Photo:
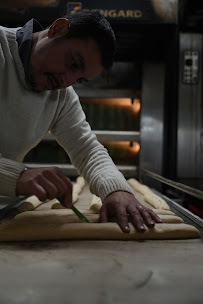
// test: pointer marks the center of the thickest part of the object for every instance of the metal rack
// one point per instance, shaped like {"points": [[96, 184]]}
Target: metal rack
{"points": [[187, 215]]}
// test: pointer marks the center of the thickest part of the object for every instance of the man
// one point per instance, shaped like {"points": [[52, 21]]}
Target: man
{"points": [[37, 69]]}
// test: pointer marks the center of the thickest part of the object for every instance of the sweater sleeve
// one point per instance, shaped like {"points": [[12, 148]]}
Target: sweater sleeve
{"points": [[89, 157], [9, 174]]}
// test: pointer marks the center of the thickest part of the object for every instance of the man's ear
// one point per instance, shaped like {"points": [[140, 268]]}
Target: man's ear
{"points": [[59, 28]]}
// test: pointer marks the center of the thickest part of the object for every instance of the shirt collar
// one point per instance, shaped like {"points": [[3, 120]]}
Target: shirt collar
{"points": [[24, 40]]}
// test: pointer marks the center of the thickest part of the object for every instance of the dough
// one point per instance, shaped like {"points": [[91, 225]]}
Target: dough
{"points": [[96, 203], [68, 216], [77, 188], [55, 216], [64, 224], [137, 186], [47, 206], [162, 211], [156, 201], [150, 197], [30, 203], [15, 231], [80, 180]]}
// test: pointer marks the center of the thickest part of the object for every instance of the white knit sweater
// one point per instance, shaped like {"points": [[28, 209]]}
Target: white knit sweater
{"points": [[26, 117]]}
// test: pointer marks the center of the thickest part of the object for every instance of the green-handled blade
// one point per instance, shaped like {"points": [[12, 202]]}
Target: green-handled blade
{"points": [[80, 215]]}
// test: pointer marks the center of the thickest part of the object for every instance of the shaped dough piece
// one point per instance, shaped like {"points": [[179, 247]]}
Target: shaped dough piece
{"points": [[137, 186], [15, 231], [96, 203], [156, 201], [57, 204], [77, 188], [80, 180], [68, 216], [55, 216], [149, 196], [30, 203], [47, 206], [163, 211]]}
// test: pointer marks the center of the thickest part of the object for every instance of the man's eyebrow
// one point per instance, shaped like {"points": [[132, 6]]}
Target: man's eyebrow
{"points": [[81, 61]]}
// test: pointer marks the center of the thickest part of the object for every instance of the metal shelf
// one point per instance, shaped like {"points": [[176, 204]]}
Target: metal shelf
{"points": [[108, 135], [70, 170], [107, 93]]}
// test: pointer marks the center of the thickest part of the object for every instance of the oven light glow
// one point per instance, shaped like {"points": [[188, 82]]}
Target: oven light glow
{"points": [[133, 106], [135, 148], [131, 148], [136, 106]]}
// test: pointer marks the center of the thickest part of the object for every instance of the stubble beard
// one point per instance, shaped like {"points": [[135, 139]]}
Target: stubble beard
{"points": [[31, 81]]}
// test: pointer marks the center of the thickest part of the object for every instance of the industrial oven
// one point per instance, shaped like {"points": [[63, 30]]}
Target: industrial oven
{"points": [[148, 110]]}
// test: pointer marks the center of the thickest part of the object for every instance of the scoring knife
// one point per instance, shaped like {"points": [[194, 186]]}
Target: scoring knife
{"points": [[80, 215]]}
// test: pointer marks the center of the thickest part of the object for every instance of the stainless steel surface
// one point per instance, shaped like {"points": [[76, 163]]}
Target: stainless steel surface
{"points": [[194, 218], [190, 114], [151, 131], [117, 135], [70, 170], [179, 210], [184, 188], [103, 135]]}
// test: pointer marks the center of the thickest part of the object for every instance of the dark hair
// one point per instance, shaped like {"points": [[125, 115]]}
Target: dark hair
{"points": [[92, 25]]}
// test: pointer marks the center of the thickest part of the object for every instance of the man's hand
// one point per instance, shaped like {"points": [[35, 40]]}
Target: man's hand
{"points": [[122, 204], [46, 183]]}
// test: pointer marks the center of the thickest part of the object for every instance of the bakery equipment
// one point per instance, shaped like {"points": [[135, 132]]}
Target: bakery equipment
{"points": [[158, 65]]}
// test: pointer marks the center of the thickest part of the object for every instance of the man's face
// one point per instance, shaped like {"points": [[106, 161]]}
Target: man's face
{"points": [[59, 62]]}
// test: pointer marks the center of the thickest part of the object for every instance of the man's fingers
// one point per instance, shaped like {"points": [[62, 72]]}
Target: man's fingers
{"points": [[149, 221], [39, 192], [149, 216], [66, 200], [49, 187], [45, 183], [154, 216], [58, 181], [103, 217], [122, 219], [136, 218]]}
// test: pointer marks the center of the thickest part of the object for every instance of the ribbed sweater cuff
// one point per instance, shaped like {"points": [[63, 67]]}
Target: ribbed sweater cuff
{"points": [[111, 185], [9, 174]]}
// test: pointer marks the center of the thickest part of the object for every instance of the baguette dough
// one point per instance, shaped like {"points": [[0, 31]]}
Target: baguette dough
{"points": [[55, 216], [96, 203], [68, 216], [30, 203], [81, 181], [64, 224], [156, 201], [15, 231], [150, 197]]}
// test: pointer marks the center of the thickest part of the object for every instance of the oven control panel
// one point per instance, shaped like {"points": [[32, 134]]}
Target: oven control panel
{"points": [[190, 67]]}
